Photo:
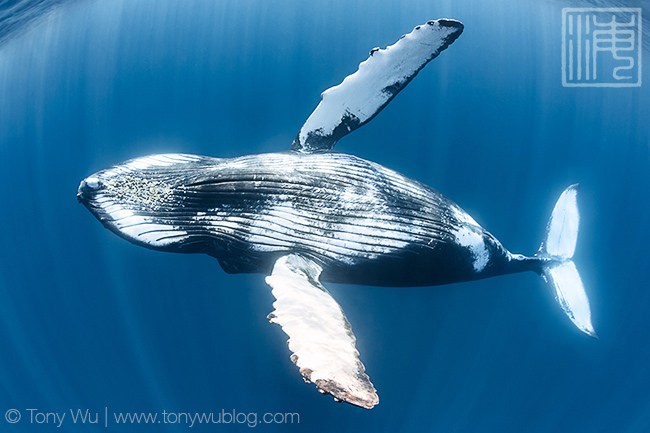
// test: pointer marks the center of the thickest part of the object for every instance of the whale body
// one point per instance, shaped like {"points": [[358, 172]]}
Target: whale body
{"points": [[311, 215], [361, 222]]}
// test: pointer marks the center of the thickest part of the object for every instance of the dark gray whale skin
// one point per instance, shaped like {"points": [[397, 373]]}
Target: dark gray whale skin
{"points": [[362, 222]]}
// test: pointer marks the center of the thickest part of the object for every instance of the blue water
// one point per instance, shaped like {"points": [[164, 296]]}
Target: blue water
{"points": [[89, 321]]}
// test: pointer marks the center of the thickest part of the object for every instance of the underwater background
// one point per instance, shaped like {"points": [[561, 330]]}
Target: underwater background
{"points": [[91, 322]]}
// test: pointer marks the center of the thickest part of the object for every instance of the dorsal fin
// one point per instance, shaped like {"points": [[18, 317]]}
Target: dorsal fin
{"points": [[365, 93]]}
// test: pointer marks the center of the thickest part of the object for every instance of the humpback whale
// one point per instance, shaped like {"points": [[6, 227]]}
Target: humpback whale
{"points": [[309, 215]]}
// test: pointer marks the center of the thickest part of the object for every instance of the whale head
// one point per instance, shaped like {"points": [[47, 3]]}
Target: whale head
{"points": [[141, 200]]}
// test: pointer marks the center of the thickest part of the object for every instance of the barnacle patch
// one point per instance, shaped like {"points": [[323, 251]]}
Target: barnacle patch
{"points": [[139, 191]]}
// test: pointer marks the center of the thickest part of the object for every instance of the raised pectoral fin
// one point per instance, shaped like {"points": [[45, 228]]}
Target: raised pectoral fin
{"points": [[320, 336], [365, 93]]}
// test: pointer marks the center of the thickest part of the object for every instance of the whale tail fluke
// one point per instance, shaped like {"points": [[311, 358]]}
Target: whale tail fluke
{"points": [[558, 268]]}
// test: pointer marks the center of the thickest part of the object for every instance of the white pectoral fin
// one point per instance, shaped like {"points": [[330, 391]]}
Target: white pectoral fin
{"points": [[320, 336], [365, 93]]}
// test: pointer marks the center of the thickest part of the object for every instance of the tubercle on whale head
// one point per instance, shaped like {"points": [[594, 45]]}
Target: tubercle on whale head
{"points": [[87, 189]]}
